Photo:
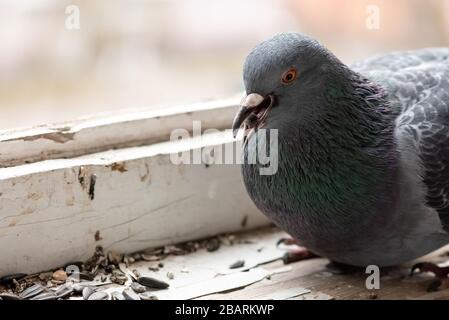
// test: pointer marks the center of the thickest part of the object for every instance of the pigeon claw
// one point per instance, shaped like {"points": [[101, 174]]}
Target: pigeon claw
{"points": [[441, 274], [286, 241], [298, 255]]}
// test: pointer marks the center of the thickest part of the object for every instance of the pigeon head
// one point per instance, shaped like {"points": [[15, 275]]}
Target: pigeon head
{"points": [[281, 75]]}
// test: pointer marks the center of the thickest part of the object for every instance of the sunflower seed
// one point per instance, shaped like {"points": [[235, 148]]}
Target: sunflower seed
{"points": [[99, 295], [9, 278], [87, 276], [237, 264], [117, 296], [137, 256], [170, 275], [148, 296], [60, 275], [128, 260], [148, 257], [45, 296], [153, 283], [130, 295], [137, 287], [136, 273], [126, 271], [109, 268], [45, 276], [87, 292], [64, 291], [32, 291], [9, 296], [213, 245], [115, 257], [118, 277]]}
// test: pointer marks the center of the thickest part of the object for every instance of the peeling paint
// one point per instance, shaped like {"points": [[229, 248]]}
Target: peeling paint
{"points": [[97, 236], [93, 180], [82, 177], [147, 174], [58, 137], [118, 166]]}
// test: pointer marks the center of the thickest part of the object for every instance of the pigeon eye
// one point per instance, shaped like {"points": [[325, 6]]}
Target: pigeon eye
{"points": [[289, 76]]}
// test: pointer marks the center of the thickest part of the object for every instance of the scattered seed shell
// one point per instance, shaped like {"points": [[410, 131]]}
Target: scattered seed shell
{"points": [[45, 276], [59, 275], [117, 296], [138, 288], [48, 295], [99, 295], [213, 245], [237, 264], [148, 257], [136, 273], [32, 291], [87, 292], [152, 283], [115, 257], [64, 291], [148, 296], [9, 296], [9, 278], [130, 295]]}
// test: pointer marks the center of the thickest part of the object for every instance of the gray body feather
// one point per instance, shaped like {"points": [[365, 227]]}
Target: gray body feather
{"points": [[402, 211]]}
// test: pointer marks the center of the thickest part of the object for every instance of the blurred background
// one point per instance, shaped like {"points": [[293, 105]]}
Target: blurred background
{"points": [[156, 53]]}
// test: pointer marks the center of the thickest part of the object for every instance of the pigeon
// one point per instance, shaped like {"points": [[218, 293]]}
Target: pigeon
{"points": [[362, 151]]}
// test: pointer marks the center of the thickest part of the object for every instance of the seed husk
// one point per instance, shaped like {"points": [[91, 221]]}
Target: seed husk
{"points": [[87, 292], [60, 275], [64, 291], [9, 278], [118, 277], [32, 291], [9, 296], [87, 276], [78, 287], [138, 288], [117, 296], [99, 295], [148, 296], [237, 264], [152, 283], [130, 295], [137, 256], [115, 257], [213, 245], [136, 273], [48, 295], [149, 257]]}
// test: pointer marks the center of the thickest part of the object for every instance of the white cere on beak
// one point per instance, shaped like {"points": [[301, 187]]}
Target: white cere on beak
{"points": [[252, 100]]}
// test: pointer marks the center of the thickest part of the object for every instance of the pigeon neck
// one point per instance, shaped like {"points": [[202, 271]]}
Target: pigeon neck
{"points": [[340, 161]]}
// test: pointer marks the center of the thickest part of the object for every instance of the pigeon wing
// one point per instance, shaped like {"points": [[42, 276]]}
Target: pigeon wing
{"points": [[418, 84]]}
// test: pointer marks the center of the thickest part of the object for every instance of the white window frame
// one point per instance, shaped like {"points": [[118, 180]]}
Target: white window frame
{"points": [[109, 181]]}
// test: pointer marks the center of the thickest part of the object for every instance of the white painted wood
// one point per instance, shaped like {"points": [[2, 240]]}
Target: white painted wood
{"points": [[126, 129], [49, 213]]}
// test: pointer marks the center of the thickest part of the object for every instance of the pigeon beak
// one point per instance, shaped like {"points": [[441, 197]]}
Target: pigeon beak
{"points": [[251, 101]]}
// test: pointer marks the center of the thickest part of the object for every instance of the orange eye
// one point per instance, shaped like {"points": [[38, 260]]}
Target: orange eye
{"points": [[289, 76]]}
